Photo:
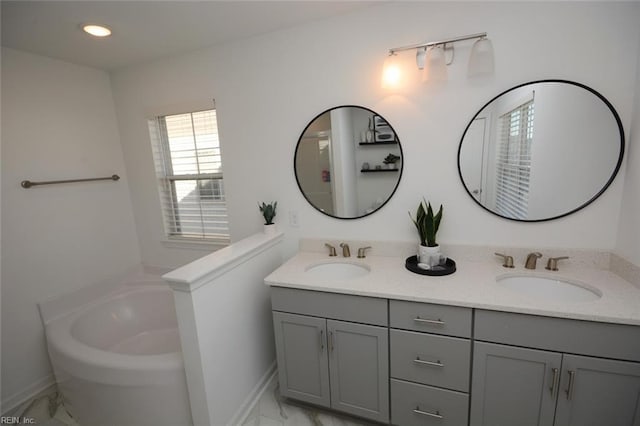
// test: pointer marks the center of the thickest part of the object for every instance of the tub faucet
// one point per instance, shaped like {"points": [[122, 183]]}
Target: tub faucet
{"points": [[346, 252], [531, 260]]}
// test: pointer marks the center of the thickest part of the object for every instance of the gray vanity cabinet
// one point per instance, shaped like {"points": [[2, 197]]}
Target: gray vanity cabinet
{"points": [[326, 359], [595, 392], [359, 369], [513, 386], [430, 364], [302, 357], [548, 385]]}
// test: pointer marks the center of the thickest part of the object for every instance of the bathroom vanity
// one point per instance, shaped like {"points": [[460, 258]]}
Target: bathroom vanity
{"points": [[399, 348]]}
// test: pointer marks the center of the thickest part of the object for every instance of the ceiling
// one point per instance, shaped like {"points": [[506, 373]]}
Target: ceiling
{"points": [[144, 31]]}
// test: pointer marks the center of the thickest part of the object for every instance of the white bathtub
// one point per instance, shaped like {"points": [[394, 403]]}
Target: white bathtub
{"points": [[118, 360]]}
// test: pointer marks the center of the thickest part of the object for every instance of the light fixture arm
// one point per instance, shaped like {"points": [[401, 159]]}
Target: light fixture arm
{"points": [[436, 43]]}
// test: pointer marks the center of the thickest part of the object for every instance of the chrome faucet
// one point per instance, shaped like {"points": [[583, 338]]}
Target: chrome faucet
{"points": [[552, 263], [332, 249], [531, 260], [346, 252]]}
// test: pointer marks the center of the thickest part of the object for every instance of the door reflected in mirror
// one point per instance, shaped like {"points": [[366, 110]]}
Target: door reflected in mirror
{"points": [[541, 150], [348, 162]]}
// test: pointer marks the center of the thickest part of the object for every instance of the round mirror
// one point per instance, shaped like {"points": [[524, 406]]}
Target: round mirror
{"points": [[348, 162], [541, 150]]}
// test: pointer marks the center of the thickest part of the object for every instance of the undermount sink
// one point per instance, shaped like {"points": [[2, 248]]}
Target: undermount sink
{"points": [[338, 270], [549, 288]]}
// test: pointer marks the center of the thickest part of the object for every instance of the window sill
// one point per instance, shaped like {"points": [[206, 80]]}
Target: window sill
{"points": [[183, 243]]}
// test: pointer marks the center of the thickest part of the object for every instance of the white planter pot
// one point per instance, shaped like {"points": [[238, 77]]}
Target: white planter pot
{"points": [[270, 229], [425, 253]]}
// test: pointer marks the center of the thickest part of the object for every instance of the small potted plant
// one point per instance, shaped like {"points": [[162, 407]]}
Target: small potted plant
{"points": [[268, 212], [391, 160], [427, 224]]}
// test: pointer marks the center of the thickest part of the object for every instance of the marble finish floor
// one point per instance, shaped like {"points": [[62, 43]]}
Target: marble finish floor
{"points": [[271, 410], [274, 410]]}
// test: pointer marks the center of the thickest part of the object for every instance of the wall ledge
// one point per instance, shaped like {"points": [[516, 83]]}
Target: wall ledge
{"points": [[202, 271]]}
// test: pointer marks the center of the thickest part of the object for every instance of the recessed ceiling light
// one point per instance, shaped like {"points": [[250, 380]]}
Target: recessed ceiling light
{"points": [[97, 30]]}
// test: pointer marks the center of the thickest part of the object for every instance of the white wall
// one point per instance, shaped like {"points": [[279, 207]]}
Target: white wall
{"points": [[226, 328], [58, 122], [628, 244], [268, 88]]}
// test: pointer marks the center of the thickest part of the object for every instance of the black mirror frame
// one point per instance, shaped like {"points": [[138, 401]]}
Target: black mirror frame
{"points": [[606, 185], [295, 157]]}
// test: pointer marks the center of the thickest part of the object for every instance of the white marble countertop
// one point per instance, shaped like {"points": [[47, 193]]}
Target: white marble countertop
{"points": [[472, 285]]}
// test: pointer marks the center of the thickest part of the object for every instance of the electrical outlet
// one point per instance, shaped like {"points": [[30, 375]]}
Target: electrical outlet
{"points": [[293, 219]]}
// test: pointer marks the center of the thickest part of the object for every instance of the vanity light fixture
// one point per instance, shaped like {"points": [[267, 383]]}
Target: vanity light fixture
{"points": [[433, 57], [96, 30]]}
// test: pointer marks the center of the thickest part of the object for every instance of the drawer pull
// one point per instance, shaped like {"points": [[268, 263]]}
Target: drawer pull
{"points": [[429, 321], [426, 413], [430, 363]]}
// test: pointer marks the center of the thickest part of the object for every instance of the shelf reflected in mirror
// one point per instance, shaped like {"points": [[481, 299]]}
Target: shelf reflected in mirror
{"points": [[348, 162]]}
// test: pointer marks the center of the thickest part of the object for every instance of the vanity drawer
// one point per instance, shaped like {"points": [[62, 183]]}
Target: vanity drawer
{"points": [[430, 359], [607, 340], [439, 319], [366, 310], [420, 405]]}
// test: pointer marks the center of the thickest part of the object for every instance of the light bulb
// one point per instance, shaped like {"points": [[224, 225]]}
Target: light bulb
{"points": [[436, 67], [97, 30], [391, 72], [481, 59]]}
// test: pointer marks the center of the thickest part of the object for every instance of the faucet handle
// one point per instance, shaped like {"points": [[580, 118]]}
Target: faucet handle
{"points": [[552, 263], [332, 249], [361, 252], [508, 260]]}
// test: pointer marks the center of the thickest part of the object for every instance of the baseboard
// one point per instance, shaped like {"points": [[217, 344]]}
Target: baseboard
{"points": [[42, 386], [254, 396]]}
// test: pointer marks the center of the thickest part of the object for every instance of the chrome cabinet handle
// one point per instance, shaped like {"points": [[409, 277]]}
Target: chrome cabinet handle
{"points": [[331, 341], [569, 391], [554, 380], [427, 413], [430, 363], [429, 321], [321, 340]]}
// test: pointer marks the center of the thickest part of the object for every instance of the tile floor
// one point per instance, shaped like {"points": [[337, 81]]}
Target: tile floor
{"points": [[274, 410], [271, 410], [46, 410]]}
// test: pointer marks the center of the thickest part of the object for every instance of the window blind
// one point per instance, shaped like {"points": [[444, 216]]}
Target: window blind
{"points": [[513, 162], [189, 169]]}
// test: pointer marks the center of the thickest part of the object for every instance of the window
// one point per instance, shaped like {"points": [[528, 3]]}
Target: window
{"points": [[513, 162], [189, 169]]}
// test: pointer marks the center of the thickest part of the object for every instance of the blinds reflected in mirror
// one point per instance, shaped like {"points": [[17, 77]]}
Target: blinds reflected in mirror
{"points": [[513, 162]]}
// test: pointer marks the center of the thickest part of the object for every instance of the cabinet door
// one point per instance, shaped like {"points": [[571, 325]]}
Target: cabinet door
{"points": [[301, 350], [596, 392], [359, 366], [513, 386]]}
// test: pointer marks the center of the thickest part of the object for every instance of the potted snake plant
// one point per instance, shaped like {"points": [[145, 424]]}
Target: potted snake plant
{"points": [[268, 212], [427, 224]]}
